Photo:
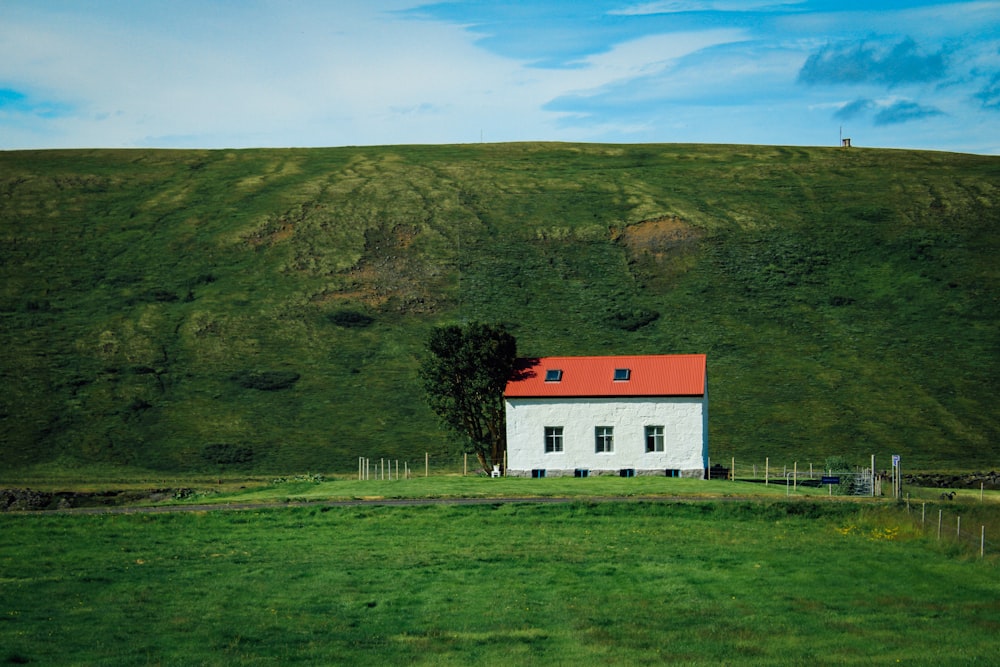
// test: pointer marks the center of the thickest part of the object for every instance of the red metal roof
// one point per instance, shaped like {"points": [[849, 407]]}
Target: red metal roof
{"points": [[649, 375]]}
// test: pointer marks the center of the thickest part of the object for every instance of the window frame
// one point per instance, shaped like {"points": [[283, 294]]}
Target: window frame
{"points": [[655, 438], [553, 440], [604, 439]]}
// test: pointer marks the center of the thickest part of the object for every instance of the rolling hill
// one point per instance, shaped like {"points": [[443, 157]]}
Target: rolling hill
{"points": [[265, 310]]}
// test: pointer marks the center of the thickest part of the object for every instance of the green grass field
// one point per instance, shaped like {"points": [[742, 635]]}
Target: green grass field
{"points": [[699, 583], [264, 311], [212, 320]]}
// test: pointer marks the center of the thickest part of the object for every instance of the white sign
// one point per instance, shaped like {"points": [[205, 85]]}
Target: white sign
{"points": [[895, 460]]}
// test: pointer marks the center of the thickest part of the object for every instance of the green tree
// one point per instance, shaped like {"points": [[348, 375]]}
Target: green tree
{"points": [[838, 465], [464, 376]]}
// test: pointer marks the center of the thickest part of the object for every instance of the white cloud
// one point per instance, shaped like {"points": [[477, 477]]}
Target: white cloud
{"points": [[269, 72], [680, 6], [334, 78]]}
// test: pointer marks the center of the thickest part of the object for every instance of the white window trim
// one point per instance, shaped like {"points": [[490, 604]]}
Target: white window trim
{"points": [[606, 439], [662, 438], [560, 435]]}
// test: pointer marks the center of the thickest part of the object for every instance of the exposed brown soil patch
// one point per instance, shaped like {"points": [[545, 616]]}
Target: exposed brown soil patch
{"points": [[660, 249], [658, 238], [390, 275]]}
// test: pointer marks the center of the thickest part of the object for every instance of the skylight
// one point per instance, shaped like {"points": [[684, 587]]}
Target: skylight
{"points": [[622, 374], [553, 375]]}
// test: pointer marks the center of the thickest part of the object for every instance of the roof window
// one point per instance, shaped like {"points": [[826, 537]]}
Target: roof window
{"points": [[622, 374], [553, 375]]}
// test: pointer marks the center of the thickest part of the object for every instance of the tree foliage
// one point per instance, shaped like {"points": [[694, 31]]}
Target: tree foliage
{"points": [[839, 465], [464, 376]]}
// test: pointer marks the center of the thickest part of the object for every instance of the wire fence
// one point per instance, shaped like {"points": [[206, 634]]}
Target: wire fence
{"points": [[948, 525], [944, 524], [388, 468], [859, 481]]}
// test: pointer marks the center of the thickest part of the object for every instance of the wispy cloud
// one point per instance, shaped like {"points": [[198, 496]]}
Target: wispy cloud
{"points": [[684, 6], [989, 95], [905, 111], [865, 61], [14, 102], [855, 109], [10, 97], [175, 73], [890, 111]]}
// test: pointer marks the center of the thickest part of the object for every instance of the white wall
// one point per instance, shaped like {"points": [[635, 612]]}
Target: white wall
{"points": [[685, 439]]}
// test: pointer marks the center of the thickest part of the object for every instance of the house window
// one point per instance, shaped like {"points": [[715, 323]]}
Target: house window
{"points": [[622, 374], [654, 438], [553, 439], [604, 439], [553, 375]]}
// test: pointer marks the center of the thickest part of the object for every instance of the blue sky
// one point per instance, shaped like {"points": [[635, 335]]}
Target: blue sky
{"points": [[246, 73]]}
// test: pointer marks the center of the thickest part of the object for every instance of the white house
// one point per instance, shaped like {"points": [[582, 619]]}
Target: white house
{"points": [[621, 415]]}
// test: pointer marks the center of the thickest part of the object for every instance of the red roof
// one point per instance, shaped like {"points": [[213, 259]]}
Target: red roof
{"points": [[648, 375]]}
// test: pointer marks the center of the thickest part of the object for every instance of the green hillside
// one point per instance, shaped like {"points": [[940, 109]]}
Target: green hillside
{"points": [[265, 310]]}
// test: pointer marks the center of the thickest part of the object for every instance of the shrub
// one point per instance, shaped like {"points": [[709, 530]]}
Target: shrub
{"points": [[311, 478], [633, 320], [223, 453], [266, 380], [351, 319], [838, 465]]}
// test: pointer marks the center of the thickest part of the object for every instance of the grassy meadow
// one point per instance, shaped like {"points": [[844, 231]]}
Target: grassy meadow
{"points": [[696, 583], [263, 312]]}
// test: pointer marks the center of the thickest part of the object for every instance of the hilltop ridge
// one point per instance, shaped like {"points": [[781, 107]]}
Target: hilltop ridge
{"points": [[265, 310]]}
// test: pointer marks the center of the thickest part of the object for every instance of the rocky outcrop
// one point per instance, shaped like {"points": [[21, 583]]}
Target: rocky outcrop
{"points": [[988, 480], [14, 500]]}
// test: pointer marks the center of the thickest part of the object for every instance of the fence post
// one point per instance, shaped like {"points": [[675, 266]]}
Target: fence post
{"points": [[732, 471], [873, 475], [958, 528], [939, 524], [982, 541], [427, 464], [767, 465]]}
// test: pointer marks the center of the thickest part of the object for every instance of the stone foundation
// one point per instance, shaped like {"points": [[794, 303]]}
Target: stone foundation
{"points": [[697, 473]]}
